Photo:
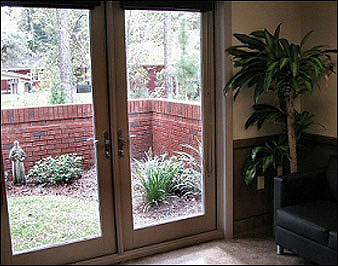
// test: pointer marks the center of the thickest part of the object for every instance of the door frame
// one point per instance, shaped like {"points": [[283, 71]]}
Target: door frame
{"points": [[106, 243], [224, 121]]}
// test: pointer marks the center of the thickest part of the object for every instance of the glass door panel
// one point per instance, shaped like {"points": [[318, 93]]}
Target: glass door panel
{"points": [[164, 111], [166, 170], [54, 123]]}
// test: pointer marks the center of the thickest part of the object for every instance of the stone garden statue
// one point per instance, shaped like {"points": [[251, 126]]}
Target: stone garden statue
{"points": [[18, 157]]}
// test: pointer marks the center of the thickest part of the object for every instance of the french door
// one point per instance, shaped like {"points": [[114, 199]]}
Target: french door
{"points": [[153, 132], [170, 129], [54, 229]]}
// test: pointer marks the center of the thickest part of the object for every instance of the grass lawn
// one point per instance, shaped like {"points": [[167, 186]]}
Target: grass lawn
{"points": [[44, 221]]}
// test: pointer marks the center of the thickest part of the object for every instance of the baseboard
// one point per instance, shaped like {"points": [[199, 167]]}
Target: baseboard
{"points": [[254, 226]]}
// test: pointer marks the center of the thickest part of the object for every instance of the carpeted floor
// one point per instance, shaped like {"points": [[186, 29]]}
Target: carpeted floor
{"points": [[241, 251]]}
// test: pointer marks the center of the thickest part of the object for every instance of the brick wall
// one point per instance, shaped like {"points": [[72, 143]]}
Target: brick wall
{"points": [[45, 131], [164, 126]]}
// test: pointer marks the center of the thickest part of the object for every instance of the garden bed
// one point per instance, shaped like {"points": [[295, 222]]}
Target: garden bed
{"points": [[85, 188], [173, 209]]}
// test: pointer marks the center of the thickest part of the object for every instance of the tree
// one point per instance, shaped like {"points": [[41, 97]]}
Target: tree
{"points": [[153, 37], [13, 49], [187, 67], [65, 55], [269, 63], [57, 41]]}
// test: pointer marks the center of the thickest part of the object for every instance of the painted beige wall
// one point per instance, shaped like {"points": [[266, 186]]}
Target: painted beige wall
{"points": [[250, 16], [298, 18], [321, 17]]}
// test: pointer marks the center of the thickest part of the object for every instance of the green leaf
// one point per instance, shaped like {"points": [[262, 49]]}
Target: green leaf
{"points": [[283, 62], [294, 68], [308, 85], [269, 39], [318, 62], [267, 81], [259, 90], [277, 31], [252, 42], [250, 175], [255, 151], [272, 66], [267, 163], [316, 68], [306, 37], [295, 85], [258, 34], [286, 46]]}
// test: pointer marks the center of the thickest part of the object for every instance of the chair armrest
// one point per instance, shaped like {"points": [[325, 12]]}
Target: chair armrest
{"points": [[299, 188]]}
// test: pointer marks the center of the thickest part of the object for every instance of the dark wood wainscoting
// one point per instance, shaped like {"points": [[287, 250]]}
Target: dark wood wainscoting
{"points": [[253, 208]]}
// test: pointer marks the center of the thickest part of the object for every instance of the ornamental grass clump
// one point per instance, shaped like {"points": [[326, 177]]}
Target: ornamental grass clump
{"points": [[164, 176]]}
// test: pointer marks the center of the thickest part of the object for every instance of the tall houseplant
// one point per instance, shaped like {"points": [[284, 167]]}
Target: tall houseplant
{"points": [[274, 153], [269, 63]]}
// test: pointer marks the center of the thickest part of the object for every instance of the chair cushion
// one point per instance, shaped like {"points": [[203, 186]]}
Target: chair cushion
{"points": [[333, 240], [332, 176], [312, 220]]}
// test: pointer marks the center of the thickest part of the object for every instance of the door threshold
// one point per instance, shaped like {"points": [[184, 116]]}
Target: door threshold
{"points": [[153, 249]]}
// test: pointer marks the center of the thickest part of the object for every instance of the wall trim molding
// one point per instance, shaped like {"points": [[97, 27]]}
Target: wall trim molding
{"points": [[320, 139], [249, 142]]}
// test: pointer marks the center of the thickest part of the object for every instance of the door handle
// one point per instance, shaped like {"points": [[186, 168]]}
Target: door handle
{"points": [[121, 143], [107, 145], [96, 141]]}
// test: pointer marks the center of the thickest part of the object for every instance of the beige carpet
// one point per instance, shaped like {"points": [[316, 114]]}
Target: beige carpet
{"points": [[241, 251]]}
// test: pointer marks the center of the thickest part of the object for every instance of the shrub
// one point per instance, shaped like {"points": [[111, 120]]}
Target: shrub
{"points": [[56, 170], [158, 175], [163, 176], [57, 96], [189, 183]]}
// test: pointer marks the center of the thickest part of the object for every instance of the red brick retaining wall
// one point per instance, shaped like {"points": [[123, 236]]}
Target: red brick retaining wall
{"points": [[48, 131], [164, 126], [51, 131]]}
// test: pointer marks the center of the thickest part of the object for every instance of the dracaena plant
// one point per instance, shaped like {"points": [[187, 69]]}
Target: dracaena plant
{"points": [[275, 153], [269, 63]]}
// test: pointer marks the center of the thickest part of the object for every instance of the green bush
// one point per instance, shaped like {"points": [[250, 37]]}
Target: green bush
{"points": [[56, 170], [157, 175], [57, 96], [189, 183], [163, 176]]}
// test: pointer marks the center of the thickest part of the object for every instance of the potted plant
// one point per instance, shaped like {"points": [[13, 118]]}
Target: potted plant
{"points": [[270, 64]]}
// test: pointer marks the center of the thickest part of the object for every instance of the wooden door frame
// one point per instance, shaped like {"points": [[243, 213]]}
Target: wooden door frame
{"points": [[224, 119]]}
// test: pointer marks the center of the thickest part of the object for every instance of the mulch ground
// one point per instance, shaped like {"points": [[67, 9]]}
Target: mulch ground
{"points": [[85, 188]]}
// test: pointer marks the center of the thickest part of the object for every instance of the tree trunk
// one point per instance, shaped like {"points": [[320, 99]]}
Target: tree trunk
{"points": [[65, 56], [292, 132], [127, 51], [166, 53]]}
